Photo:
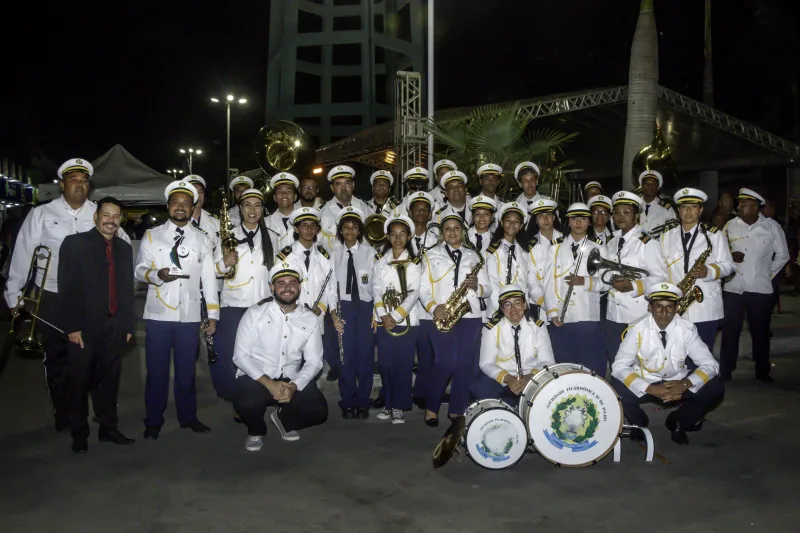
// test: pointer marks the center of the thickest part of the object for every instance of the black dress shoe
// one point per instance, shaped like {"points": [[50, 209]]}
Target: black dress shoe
{"points": [[113, 435], [349, 413], [362, 413], [378, 403], [432, 422], [80, 445], [151, 433], [677, 433], [333, 374], [765, 379], [420, 402], [196, 426]]}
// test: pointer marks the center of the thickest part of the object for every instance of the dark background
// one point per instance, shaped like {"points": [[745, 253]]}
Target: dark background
{"points": [[83, 76]]}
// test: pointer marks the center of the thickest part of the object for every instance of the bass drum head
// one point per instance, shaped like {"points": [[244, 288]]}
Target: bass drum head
{"points": [[539, 379], [479, 406], [496, 438], [575, 419]]}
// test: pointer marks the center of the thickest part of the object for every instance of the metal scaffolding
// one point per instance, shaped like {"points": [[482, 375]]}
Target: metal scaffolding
{"points": [[409, 125]]}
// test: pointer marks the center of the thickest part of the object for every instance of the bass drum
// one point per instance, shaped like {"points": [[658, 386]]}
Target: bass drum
{"points": [[573, 417], [495, 436]]}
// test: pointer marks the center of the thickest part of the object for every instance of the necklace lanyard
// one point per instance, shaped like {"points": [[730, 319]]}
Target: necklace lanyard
{"points": [[687, 249]]}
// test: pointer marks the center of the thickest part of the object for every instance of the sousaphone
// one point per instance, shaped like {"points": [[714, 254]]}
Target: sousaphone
{"points": [[283, 146]]}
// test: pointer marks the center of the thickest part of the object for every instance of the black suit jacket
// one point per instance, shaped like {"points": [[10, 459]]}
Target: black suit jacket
{"points": [[83, 284]]}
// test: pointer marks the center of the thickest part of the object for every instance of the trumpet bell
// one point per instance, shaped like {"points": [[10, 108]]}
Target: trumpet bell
{"points": [[284, 146], [595, 262]]}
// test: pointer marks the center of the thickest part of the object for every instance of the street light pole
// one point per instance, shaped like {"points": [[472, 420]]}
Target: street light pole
{"points": [[430, 90], [191, 152], [229, 99]]}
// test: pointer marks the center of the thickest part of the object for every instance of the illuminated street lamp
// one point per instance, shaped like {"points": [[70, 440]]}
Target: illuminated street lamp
{"points": [[229, 99], [174, 172], [190, 152]]}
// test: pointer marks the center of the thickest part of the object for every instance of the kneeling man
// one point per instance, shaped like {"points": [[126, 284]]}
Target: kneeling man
{"points": [[513, 349], [278, 355], [651, 365]]}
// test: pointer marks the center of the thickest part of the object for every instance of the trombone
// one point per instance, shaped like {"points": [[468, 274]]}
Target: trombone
{"points": [[29, 343]]}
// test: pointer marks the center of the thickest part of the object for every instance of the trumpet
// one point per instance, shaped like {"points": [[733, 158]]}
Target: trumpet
{"points": [[29, 343], [392, 298], [618, 270]]}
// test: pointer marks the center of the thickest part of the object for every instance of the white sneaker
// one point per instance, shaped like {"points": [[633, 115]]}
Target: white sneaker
{"points": [[253, 443], [384, 415], [397, 417], [285, 435]]}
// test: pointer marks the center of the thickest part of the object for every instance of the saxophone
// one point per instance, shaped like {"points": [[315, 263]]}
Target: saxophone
{"points": [[691, 292], [457, 305], [226, 238]]}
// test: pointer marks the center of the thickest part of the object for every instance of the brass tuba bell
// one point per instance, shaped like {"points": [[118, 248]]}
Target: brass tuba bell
{"points": [[284, 146]]}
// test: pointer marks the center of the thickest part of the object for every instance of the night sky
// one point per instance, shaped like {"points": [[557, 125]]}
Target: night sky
{"points": [[87, 75]]}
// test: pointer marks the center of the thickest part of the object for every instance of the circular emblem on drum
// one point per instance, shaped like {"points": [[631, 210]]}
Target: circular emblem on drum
{"points": [[495, 437], [574, 421]]}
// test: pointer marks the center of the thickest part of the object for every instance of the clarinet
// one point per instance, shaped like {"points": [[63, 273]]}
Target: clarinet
{"points": [[321, 292], [339, 314], [572, 287], [210, 352]]}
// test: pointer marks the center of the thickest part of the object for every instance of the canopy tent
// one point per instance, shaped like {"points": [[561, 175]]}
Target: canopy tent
{"points": [[119, 174]]}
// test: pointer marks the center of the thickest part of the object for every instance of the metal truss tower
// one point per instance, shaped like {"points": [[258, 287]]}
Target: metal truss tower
{"points": [[409, 125]]}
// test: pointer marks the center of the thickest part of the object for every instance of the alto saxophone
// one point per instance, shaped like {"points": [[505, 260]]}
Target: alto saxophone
{"points": [[226, 238], [457, 304], [691, 292]]}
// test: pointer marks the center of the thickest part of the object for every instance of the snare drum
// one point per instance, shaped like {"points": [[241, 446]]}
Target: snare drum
{"points": [[574, 418], [495, 436]]}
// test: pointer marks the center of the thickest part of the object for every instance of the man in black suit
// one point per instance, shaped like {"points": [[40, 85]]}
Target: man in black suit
{"points": [[95, 276]]}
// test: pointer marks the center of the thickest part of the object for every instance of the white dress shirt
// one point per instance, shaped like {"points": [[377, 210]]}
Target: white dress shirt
{"points": [[528, 202], [584, 305], [179, 300], [331, 210], [437, 279], [385, 276], [47, 225], [638, 250], [498, 357], [449, 209], [603, 237], [363, 261], [280, 233], [424, 241], [654, 214], [485, 240], [537, 256], [719, 263], [642, 358], [314, 276], [388, 208], [319, 203], [500, 275], [437, 193], [209, 224], [251, 283], [272, 343], [765, 254]]}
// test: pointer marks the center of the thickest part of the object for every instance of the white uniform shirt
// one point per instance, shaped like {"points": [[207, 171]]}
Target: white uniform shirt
{"points": [[424, 241], [523, 200], [363, 261], [319, 203], [584, 305], [388, 209], [638, 250], [47, 225], [485, 240], [498, 358], [449, 209], [179, 300], [765, 254], [251, 283], [314, 276], [537, 257], [209, 224], [642, 359], [281, 234], [655, 215], [499, 274], [235, 215], [719, 264], [277, 344], [604, 236], [437, 193], [437, 279], [331, 210], [385, 276]]}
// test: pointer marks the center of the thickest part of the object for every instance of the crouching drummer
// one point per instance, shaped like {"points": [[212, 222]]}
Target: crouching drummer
{"points": [[513, 349], [651, 366]]}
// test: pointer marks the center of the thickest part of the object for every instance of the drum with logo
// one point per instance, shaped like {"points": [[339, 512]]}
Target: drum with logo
{"points": [[495, 436], [573, 417]]}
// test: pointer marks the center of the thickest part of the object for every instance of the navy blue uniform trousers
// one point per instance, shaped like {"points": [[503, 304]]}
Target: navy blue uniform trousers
{"points": [[425, 360], [580, 343], [484, 387], [758, 308], [330, 343], [223, 372], [355, 382], [455, 358], [396, 361], [613, 333], [693, 406]]}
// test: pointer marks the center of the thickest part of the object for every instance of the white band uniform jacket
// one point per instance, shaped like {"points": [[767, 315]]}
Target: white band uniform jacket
{"points": [[277, 344], [385, 276], [439, 198], [643, 360], [48, 225], [179, 300], [209, 224], [319, 203], [419, 243], [388, 209], [486, 240], [719, 263], [656, 215], [448, 209], [250, 285], [497, 349], [330, 211], [363, 262], [538, 255], [437, 279], [584, 304], [604, 236], [640, 251], [765, 253], [280, 235], [497, 270], [312, 277], [523, 200]]}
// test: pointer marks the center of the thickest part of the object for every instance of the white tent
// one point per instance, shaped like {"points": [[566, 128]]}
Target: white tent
{"points": [[119, 174]]}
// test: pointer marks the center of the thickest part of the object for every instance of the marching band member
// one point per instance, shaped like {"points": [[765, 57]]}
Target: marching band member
{"points": [[633, 247], [544, 211], [600, 208], [489, 176], [352, 264], [95, 273], [284, 187], [454, 184], [527, 175], [416, 180], [278, 355], [505, 258], [200, 217], [418, 206], [237, 186], [651, 365], [655, 212], [681, 248], [252, 259], [479, 235], [396, 270], [576, 332], [513, 349], [381, 202], [174, 258], [440, 168], [446, 267], [48, 225], [592, 189], [759, 252], [307, 191], [341, 180]]}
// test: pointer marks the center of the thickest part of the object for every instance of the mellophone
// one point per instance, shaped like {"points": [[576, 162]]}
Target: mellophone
{"points": [[566, 413]]}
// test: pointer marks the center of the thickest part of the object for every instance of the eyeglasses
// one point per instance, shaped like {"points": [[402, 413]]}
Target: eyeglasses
{"points": [[516, 303]]}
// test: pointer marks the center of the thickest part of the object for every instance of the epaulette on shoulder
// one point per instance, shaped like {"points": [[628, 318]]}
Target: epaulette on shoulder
{"points": [[712, 229], [417, 259], [321, 205], [597, 240], [539, 323], [283, 254], [560, 240], [198, 228], [441, 209], [324, 252], [265, 300], [645, 237], [493, 321], [493, 246], [533, 243]]}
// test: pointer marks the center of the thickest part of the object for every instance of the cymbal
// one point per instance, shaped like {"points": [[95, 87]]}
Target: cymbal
{"points": [[450, 441]]}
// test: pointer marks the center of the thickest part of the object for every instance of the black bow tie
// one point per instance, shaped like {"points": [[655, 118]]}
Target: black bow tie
{"points": [[249, 238]]}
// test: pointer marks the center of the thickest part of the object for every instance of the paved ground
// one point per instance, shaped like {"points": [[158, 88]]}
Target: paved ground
{"points": [[738, 474]]}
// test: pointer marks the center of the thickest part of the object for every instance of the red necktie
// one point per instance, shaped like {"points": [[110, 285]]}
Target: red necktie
{"points": [[112, 286]]}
